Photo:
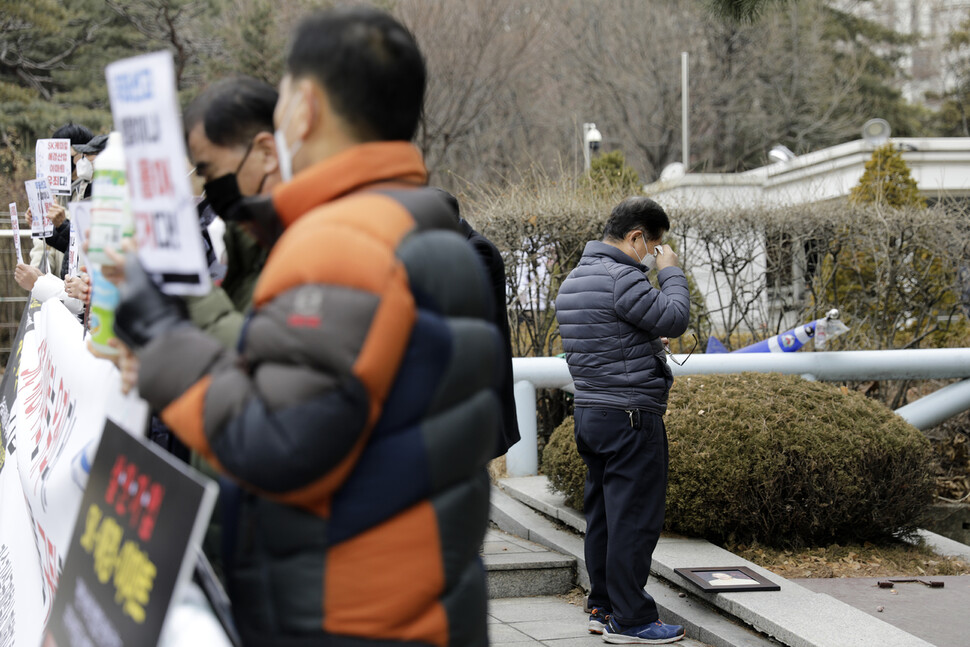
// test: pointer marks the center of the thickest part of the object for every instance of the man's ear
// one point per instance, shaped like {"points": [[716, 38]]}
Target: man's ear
{"points": [[264, 145], [306, 114]]}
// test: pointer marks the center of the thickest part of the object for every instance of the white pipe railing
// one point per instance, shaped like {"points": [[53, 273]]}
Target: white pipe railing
{"points": [[530, 373]]}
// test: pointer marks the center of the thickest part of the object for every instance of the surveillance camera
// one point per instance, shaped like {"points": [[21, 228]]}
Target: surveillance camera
{"points": [[780, 153], [594, 146]]}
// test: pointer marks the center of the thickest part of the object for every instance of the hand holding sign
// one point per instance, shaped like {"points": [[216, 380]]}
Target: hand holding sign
{"points": [[78, 287], [57, 214], [26, 275]]}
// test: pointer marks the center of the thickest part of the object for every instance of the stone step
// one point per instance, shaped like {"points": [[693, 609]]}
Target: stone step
{"points": [[519, 568]]}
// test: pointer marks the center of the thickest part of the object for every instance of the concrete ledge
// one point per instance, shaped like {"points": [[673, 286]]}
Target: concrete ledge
{"points": [[535, 561], [794, 615], [952, 520], [945, 546], [535, 493]]}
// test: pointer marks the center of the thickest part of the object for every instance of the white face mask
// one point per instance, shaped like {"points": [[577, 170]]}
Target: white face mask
{"points": [[283, 151], [650, 262], [85, 169]]}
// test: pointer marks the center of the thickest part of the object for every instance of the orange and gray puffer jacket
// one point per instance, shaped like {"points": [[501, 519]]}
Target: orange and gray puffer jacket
{"points": [[360, 409]]}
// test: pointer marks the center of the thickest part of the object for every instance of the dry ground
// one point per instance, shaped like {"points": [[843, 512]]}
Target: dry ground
{"points": [[868, 560]]}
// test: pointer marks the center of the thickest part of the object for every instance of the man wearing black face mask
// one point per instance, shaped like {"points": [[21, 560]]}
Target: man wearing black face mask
{"points": [[230, 140]]}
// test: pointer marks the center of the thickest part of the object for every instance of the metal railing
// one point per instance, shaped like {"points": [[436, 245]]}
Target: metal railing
{"points": [[530, 373], [12, 298]]}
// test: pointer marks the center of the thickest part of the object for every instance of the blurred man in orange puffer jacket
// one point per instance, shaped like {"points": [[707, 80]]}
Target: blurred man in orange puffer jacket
{"points": [[362, 405]]}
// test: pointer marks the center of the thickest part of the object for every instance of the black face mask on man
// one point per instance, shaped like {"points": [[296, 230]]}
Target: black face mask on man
{"points": [[223, 196], [223, 192]]}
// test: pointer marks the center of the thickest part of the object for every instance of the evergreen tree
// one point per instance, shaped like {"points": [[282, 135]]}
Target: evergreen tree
{"points": [[887, 181], [741, 10], [954, 114], [611, 169], [52, 57]]}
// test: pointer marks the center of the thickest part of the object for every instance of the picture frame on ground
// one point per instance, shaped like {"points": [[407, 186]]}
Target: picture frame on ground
{"points": [[724, 579]]}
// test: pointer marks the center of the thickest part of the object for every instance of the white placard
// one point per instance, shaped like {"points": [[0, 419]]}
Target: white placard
{"points": [[15, 226], [80, 213], [39, 197], [145, 111], [53, 162]]}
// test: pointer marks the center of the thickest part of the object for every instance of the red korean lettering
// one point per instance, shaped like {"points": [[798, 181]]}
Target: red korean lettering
{"points": [[145, 229], [116, 479], [138, 500], [153, 505], [127, 487], [155, 180]]}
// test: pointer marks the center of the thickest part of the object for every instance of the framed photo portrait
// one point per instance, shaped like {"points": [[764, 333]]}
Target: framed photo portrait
{"points": [[723, 579]]}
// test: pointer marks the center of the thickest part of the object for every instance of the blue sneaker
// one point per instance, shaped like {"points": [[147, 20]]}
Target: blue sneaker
{"points": [[597, 620], [655, 633]]}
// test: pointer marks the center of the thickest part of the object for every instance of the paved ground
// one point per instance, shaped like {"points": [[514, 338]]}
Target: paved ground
{"points": [[938, 616], [550, 621]]}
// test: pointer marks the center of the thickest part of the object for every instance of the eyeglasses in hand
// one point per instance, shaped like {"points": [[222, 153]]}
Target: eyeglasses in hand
{"points": [[689, 353]]}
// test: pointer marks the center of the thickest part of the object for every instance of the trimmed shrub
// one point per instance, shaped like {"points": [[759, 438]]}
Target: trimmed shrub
{"points": [[782, 461]]}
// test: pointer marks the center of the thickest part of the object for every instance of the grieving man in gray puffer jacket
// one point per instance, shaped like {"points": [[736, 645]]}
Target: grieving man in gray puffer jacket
{"points": [[612, 319]]}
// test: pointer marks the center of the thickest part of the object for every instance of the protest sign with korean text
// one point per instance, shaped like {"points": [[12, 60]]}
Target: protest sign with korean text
{"points": [[80, 223], [53, 163], [40, 199], [15, 226], [145, 110], [142, 516]]}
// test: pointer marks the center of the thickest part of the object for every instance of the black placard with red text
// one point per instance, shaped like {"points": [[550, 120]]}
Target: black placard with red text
{"points": [[141, 515]]}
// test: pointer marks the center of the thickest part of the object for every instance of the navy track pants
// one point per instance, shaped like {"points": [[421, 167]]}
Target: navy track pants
{"points": [[624, 501]]}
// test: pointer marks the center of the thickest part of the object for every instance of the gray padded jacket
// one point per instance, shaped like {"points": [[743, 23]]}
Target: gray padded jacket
{"points": [[611, 318]]}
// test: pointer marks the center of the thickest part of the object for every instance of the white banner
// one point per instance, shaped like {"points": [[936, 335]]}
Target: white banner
{"points": [[21, 594], [52, 411], [145, 110], [52, 160]]}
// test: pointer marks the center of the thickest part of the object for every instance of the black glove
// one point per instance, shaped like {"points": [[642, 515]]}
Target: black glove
{"points": [[261, 219], [60, 239], [144, 312]]}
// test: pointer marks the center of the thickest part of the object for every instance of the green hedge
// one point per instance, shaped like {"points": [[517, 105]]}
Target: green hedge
{"points": [[779, 460]]}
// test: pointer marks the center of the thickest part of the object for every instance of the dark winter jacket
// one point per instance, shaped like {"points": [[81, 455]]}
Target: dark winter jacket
{"points": [[611, 319], [60, 240], [495, 268], [359, 412]]}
